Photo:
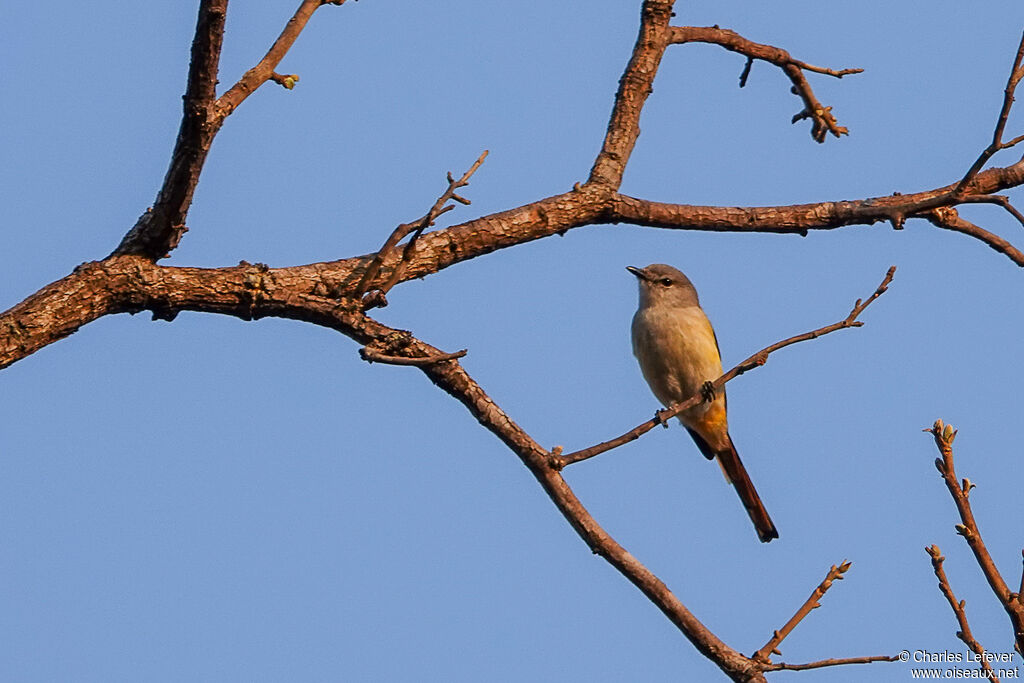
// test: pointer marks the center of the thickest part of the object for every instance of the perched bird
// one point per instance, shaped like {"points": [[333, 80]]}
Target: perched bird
{"points": [[678, 353]]}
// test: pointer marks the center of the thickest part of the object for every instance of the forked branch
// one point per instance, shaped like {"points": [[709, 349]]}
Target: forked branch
{"points": [[159, 230], [378, 296], [997, 144], [823, 122], [763, 656], [264, 69]]}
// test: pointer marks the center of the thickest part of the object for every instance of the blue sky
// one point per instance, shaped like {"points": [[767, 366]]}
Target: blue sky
{"points": [[212, 499]]}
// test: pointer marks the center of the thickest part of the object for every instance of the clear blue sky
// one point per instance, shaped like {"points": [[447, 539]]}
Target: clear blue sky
{"points": [[216, 500]]}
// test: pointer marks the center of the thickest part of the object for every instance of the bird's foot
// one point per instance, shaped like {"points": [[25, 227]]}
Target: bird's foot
{"points": [[707, 391]]}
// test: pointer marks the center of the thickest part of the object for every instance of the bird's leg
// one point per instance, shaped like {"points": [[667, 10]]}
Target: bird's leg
{"points": [[660, 416]]}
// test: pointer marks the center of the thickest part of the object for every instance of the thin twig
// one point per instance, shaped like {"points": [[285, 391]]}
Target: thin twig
{"points": [[264, 69], [1000, 199], [820, 664], [964, 633], [823, 120], [754, 361], [835, 573], [947, 218], [371, 355], [944, 434], [416, 228], [997, 144]]}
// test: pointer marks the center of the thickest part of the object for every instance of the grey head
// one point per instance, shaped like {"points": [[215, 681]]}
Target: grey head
{"points": [[663, 285]]}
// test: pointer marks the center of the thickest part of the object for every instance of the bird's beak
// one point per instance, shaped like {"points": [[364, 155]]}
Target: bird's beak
{"points": [[639, 272]]}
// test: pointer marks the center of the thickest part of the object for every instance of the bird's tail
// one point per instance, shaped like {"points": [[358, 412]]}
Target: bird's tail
{"points": [[737, 475]]}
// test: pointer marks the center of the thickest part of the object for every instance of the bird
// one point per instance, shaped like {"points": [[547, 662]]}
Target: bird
{"points": [[678, 353]]}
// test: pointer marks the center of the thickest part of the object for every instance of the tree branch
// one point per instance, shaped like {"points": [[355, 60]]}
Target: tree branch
{"points": [[635, 86], [997, 144], [781, 666], [944, 434], [835, 573], [253, 291], [964, 633], [823, 120], [586, 205], [416, 228], [264, 70], [948, 218], [1001, 200], [558, 461], [371, 355], [160, 228]]}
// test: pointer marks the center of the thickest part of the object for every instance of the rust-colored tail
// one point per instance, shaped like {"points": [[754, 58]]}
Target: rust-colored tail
{"points": [[737, 475]]}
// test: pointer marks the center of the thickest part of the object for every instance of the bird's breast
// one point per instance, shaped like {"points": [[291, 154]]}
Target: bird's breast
{"points": [[677, 351]]}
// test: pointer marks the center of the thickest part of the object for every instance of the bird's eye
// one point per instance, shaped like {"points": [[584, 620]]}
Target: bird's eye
{"points": [[665, 281]]}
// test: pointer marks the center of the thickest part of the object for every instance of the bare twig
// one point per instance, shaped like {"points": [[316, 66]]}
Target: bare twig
{"points": [[823, 120], [1001, 200], [754, 361], [964, 633], [371, 355], [264, 69], [835, 573], [948, 218], [944, 434], [416, 228], [997, 144], [820, 664]]}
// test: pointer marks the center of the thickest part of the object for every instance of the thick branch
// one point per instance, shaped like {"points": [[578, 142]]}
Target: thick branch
{"points": [[587, 205], [754, 361], [957, 606], [823, 120], [635, 86], [160, 228]]}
